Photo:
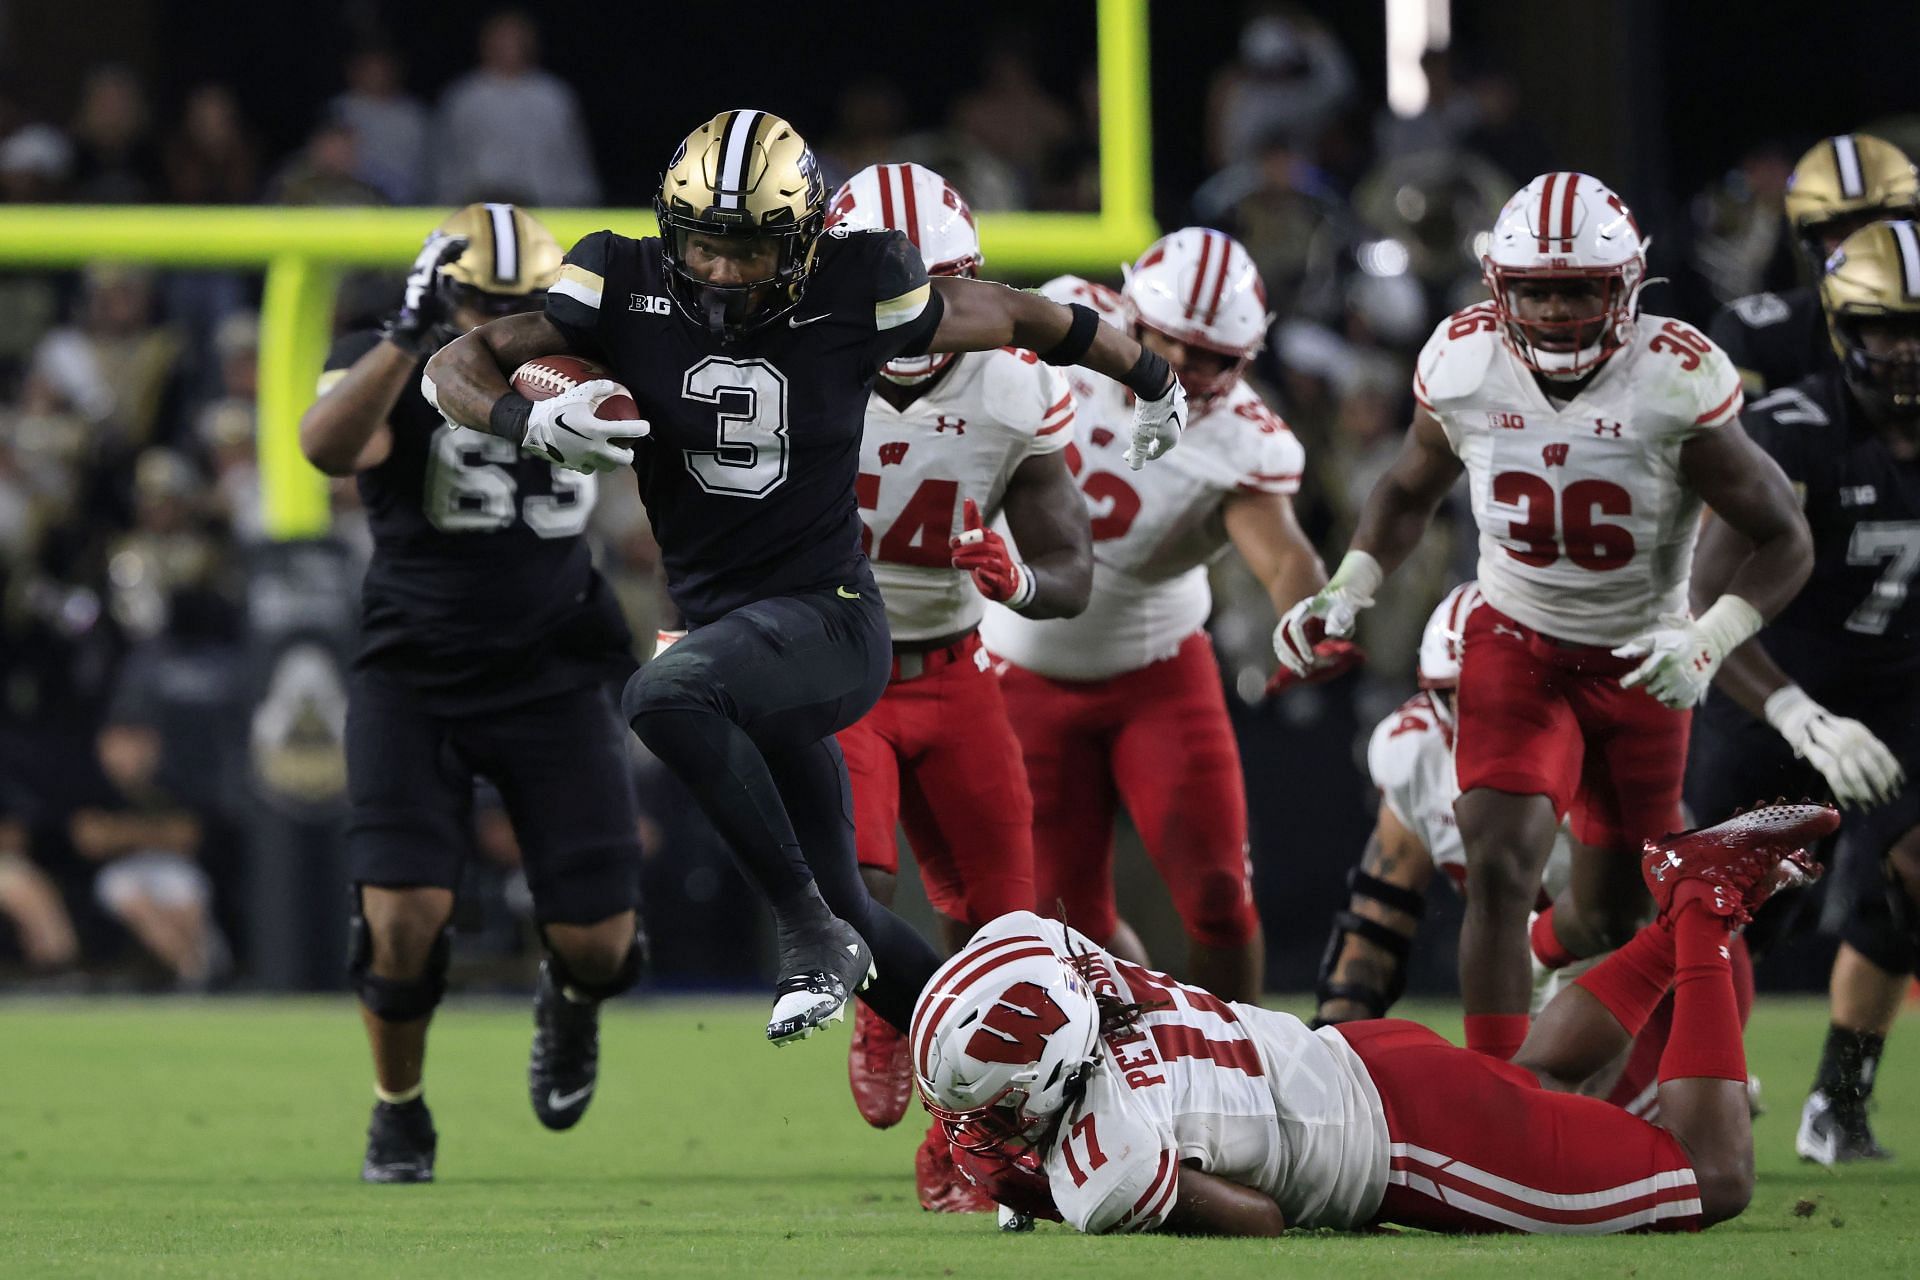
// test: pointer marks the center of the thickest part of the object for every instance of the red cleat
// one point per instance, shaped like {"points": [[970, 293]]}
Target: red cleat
{"points": [[1743, 861], [942, 1187], [879, 1069]]}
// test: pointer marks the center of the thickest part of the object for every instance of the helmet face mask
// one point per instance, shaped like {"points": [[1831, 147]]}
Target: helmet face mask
{"points": [[1568, 340], [1870, 292]]}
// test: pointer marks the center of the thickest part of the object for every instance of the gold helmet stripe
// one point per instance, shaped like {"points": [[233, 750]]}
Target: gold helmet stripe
{"points": [[1846, 163], [736, 158], [1909, 242], [506, 243]]}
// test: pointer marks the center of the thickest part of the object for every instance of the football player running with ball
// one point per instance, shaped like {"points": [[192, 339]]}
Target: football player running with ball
{"points": [[750, 338], [1591, 435], [1123, 705], [487, 644], [951, 442], [1078, 1086]]}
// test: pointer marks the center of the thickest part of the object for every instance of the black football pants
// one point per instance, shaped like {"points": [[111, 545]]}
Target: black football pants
{"points": [[743, 710]]}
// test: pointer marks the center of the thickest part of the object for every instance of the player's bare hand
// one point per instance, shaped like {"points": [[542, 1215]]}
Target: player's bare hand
{"points": [[1858, 767], [1157, 425], [566, 430]]}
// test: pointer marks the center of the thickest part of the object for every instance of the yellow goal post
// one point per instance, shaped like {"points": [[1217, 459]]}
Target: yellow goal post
{"points": [[303, 249]]}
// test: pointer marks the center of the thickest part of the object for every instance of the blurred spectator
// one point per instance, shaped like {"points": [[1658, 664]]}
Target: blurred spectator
{"points": [[1439, 205], [1292, 221], [389, 125], [1501, 132], [172, 547], [212, 158], [31, 910], [1011, 115], [224, 429], [326, 171], [868, 121], [1291, 76], [1450, 113], [509, 130], [1739, 241], [36, 160], [116, 368], [116, 160]]}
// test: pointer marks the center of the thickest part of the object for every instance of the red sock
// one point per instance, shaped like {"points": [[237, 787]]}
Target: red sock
{"points": [[1742, 965], [1705, 1040], [1632, 980], [1547, 947], [1498, 1035]]}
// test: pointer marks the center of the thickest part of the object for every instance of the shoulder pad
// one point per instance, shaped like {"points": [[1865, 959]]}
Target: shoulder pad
{"points": [[1454, 362], [1399, 741], [1029, 398], [1110, 1169], [1263, 452], [1683, 376]]}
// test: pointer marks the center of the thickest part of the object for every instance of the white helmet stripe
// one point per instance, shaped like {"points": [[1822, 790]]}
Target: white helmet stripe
{"points": [[506, 244], [1846, 159], [1220, 276], [1905, 236], [1567, 208], [1200, 273], [736, 148]]}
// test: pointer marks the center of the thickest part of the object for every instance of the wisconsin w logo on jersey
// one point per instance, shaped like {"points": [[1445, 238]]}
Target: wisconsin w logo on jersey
{"points": [[1016, 1029], [1555, 455], [893, 453]]}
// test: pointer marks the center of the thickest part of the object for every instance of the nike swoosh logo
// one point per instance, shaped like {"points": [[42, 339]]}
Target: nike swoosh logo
{"points": [[853, 948], [795, 322], [845, 594], [560, 421], [558, 1101]]}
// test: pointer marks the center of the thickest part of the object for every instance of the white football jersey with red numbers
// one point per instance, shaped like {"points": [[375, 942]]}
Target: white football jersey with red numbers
{"points": [[1242, 1092], [1586, 524], [1154, 531], [992, 411]]}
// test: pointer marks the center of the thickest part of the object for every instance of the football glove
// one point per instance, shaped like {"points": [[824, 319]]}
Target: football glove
{"points": [[984, 554], [1331, 660], [1858, 768], [564, 431], [1682, 654], [423, 307], [1329, 613], [1157, 425]]}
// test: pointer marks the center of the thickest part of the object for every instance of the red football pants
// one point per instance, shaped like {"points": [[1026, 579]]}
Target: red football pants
{"points": [[1157, 740], [1477, 1145], [1538, 717], [936, 755]]}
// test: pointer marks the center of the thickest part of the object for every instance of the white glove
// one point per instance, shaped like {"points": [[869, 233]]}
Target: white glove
{"points": [[1157, 425], [1332, 611], [564, 431], [1682, 653], [1857, 766]]}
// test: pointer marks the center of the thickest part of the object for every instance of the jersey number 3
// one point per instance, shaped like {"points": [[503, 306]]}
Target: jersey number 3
{"points": [[749, 457]]}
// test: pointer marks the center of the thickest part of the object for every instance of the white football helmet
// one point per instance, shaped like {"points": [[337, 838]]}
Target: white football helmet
{"points": [[999, 1038], [914, 199], [1443, 644], [1108, 303], [1200, 287], [1564, 225]]}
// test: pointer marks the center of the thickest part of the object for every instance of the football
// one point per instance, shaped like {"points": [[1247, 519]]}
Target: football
{"points": [[547, 376]]}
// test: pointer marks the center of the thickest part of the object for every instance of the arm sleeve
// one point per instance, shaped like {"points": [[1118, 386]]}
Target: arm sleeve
{"points": [[573, 301], [346, 349]]}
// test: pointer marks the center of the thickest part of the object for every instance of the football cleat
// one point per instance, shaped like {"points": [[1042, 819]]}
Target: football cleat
{"points": [[565, 1062], [1014, 1220], [1834, 1132], [1742, 861], [821, 966], [942, 1187], [879, 1069], [400, 1143]]}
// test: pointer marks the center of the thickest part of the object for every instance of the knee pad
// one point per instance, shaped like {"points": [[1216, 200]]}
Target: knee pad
{"points": [[392, 999], [1348, 923], [676, 681], [1883, 928], [629, 973]]}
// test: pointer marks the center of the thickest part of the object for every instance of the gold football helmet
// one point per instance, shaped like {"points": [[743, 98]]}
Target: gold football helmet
{"points": [[1843, 183], [1872, 281], [508, 264], [750, 177]]}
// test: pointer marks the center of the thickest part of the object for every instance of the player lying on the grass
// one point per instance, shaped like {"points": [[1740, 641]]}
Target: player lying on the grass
{"points": [[1083, 1088]]}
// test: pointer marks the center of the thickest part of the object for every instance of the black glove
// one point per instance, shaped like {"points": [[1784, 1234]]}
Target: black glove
{"points": [[423, 308]]}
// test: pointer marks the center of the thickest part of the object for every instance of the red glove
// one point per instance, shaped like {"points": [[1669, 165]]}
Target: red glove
{"points": [[983, 553], [1020, 1184], [1334, 658]]}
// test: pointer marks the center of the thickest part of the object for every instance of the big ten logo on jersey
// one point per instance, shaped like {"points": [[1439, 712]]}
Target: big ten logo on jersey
{"points": [[1500, 420], [919, 532], [652, 304], [1112, 502]]}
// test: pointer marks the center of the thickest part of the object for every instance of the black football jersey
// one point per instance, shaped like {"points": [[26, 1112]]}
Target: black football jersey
{"points": [[748, 472], [1774, 339], [1857, 618], [481, 590]]}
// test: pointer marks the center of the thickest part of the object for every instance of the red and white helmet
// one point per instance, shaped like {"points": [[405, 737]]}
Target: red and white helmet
{"points": [[1443, 645], [999, 1038], [1200, 287], [1566, 225], [914, 199], [1107, 302]]}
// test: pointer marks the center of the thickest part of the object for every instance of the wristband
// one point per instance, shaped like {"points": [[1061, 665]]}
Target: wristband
{"points": [[1729, 623], [1079, 336], [1025, 590], [508, 417], [1358, 576], [1151, 377]]}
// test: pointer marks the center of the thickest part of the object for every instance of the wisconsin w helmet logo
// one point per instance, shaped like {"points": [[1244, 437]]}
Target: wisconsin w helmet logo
{"points": [[1015, 1030]]}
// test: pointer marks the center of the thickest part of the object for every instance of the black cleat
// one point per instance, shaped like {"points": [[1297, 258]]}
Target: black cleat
{"points": [[1836, 1132], [821, 966], [565, 1062], [400, 1143]]}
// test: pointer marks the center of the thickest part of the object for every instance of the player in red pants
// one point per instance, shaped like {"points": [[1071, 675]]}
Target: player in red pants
{"points": [[1079, 1086]]}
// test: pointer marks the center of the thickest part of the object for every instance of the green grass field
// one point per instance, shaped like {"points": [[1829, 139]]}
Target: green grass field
{"points": [[224, 1138]]}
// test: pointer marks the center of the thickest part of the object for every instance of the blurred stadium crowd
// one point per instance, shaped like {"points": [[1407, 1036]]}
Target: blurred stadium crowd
{"points": [[147, 772]]}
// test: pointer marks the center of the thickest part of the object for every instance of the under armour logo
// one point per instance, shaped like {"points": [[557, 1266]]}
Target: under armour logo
{"points": [[1556, 454], [1601, 427], [893, 453], [1502, 629], [941, 422]]}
